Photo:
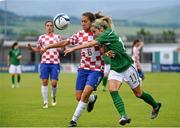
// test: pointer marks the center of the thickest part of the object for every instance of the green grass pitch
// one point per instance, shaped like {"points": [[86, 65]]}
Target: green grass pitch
{"points": [[22, 107]]}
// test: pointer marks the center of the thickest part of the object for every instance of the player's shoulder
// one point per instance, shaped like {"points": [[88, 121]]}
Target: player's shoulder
{"points": [[10, 51], [42, 36], [57, 35], [84, 33], [78, 34], [81, 32]]}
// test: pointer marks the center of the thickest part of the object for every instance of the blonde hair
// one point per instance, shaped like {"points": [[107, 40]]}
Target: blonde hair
{"points": [[105, 22]]}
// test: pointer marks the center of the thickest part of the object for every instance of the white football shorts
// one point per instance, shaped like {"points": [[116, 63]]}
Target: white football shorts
{"points": [[130, 76], [15, 69]]}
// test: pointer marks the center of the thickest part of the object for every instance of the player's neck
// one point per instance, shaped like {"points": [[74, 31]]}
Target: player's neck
{"points": [[87, 30], [50, 33]]}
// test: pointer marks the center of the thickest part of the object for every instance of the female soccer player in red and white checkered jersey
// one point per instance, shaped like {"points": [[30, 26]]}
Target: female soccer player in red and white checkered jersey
{"points": [[50, 61], [90, 71], [136, 50]]}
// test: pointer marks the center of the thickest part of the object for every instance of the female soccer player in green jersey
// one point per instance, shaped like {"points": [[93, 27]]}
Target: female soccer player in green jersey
{"points": [[13, 61], [122, 67]]}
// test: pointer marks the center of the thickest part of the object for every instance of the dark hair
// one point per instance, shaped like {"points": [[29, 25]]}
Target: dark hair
{"points": [[98, 15], [14, 44], [90, 16], [47, 21], [135, 42]]}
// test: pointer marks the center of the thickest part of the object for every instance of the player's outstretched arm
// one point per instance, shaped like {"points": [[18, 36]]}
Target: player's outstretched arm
{"points": [[85, 45], [57, 45], [35, 49]]}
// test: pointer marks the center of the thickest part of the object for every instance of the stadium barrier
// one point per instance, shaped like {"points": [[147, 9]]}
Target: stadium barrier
{"points": [[24, 68], [166, 67], [72, 68], [170, 67], [34, 68]]}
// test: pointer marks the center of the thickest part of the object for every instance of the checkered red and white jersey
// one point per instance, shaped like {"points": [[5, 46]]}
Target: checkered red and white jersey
{"points": [[91, 58], [51, 56], [136, 55]]}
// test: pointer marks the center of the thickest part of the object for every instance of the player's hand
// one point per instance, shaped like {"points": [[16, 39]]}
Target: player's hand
{"points": [[110, 54], [19, 57], [68, 50], [29, 46], [102, 49], [43, 50]]}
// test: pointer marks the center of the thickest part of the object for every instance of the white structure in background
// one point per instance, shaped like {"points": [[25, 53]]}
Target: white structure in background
{"points": [[152, 55]]}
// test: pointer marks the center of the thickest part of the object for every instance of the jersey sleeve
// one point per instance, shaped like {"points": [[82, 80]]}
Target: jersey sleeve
{"points": [[73, 39], [106, 59], [19, 54], [105, 37], [58, 38], [9, 53], [101, 39], [38, 45]]}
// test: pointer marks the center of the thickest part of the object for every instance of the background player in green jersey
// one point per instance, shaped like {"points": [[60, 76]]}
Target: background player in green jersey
{"points": [[122, 68], [13, 60]]}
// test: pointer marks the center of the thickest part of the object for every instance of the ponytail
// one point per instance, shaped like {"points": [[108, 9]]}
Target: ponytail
{"points": [[102, 21]]}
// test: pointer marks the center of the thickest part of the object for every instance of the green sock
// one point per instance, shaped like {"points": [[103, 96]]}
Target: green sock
{"points": [[118, 103], [148, 99], [18, 78], [13, 79], [104, 81]]}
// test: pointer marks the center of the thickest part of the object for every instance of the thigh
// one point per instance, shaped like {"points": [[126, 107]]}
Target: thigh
{"points": [[81, 79], [131, 77], [44, 71], [113, 75], [54, 71], [106, 68], [115, 80], [114, 85], [94, 78], [12, 69], [18, 69]]}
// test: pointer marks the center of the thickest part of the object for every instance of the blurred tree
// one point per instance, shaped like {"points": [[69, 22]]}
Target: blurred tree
{"points": [[144, 35], [143, 32], [169, 36]]}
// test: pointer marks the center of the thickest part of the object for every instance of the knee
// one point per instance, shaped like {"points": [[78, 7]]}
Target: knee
{"points": [[78, 98], [112, 89], [138, 94], [45, 82], [85, 98], [54, 83]]}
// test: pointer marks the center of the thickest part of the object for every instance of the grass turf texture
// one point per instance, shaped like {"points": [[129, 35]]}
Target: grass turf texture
{"points": [[22, 107]]}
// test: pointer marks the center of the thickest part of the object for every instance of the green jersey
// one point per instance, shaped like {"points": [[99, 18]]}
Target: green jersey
{"points": [[106, 59], [122, 61], [13, 54]]}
